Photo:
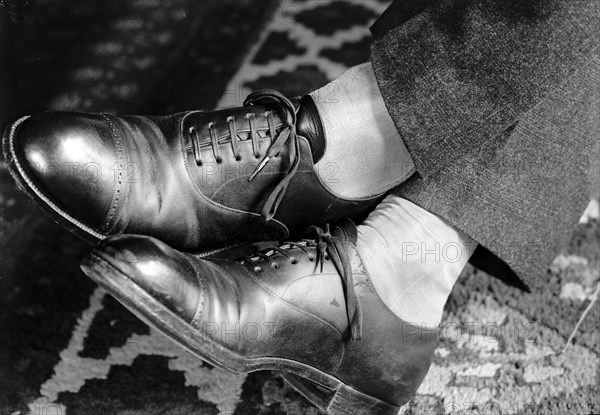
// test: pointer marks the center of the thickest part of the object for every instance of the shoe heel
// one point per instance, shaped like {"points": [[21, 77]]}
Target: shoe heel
{"points": [[342, 401]]}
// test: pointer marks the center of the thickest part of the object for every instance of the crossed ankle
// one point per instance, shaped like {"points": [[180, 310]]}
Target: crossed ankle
{"points": [[364, 154]]}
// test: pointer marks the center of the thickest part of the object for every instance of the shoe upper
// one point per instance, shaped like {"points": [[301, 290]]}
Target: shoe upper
{"points": [[196, 180], [309, 301]]}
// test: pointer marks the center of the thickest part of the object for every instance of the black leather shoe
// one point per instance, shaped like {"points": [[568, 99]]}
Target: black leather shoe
{"points": [[308, 309], [197, 180]]}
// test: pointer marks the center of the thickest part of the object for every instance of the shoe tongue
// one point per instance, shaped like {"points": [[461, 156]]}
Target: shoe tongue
{"points": [[346, 230], [310, 127]]}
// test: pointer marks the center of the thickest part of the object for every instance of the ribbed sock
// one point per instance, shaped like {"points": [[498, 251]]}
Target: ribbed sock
{"points": [[364, 153], [414, 258]]}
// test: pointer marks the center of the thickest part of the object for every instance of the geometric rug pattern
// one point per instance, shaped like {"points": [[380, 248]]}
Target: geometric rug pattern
{"points": [[69, 348]]}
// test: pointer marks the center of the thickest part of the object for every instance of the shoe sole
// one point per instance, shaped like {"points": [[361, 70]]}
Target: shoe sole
{"points": [[27, 185], [325, 391]]}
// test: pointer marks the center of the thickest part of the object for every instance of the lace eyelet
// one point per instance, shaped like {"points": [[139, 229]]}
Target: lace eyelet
{"points": [[275, 265], [238, 158], [311, 259], [257, 156], [258, 269], [219, 160], [294, 261]]}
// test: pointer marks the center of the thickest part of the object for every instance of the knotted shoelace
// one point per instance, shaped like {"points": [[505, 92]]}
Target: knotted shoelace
{"points": [[327, 246], [288, 134]]}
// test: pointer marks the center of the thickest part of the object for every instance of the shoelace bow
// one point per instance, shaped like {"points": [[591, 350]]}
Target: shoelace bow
{"points": [[326, 245], [266, 96]]}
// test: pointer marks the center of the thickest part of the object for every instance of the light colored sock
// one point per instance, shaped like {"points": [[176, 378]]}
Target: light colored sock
{"points": [[414, 258], [364, 154]]}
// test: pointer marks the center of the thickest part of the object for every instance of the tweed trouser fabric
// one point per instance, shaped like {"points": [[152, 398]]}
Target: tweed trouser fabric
{"points": [[497, 103]]}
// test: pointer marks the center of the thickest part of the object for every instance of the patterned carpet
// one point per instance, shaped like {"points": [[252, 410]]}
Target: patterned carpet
{"points": [[68, 348]]}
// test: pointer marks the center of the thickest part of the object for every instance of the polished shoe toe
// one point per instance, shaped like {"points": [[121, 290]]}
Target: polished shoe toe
{"points": [[163, 272], [67, 160]]}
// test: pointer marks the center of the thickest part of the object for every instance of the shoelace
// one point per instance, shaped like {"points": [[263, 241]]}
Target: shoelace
{"points": [[327, 246], [266, 96]]}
